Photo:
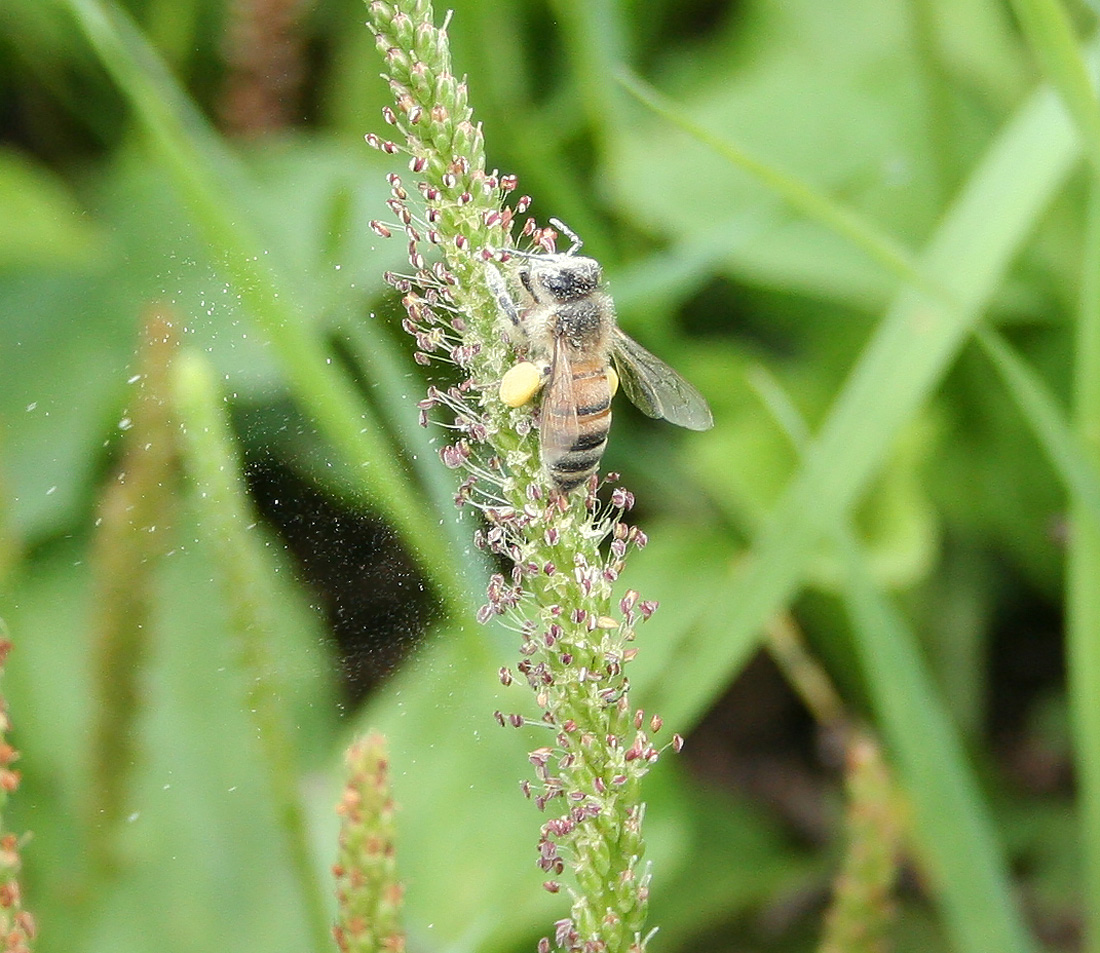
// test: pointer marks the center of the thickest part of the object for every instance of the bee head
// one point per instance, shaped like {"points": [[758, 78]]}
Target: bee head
{"points": [[561, 277]]}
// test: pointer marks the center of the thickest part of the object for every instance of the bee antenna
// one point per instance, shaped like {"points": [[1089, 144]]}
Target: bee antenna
{"points": [[568, 233], [503, 254]]}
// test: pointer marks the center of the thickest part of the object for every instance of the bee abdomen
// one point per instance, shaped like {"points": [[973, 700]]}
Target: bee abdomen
{"points": [[583, 458]]}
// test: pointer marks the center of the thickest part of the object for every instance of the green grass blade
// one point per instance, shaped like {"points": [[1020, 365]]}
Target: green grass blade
{"points": [[390, 380], [210, 180], [966, 258], [937, 94], [954, 834], [1040, 409], [1048, 29], [800, 196], [780, 405], [909, 353], [212, 460], [595, 36], [125, 556], [1047, 422], [1083, 586]]}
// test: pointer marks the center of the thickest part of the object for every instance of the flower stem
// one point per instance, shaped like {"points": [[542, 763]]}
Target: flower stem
{"points": [[565, 550]]}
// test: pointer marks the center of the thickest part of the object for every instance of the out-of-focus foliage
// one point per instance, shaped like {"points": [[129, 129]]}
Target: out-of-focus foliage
{"points": [[888, 107]]}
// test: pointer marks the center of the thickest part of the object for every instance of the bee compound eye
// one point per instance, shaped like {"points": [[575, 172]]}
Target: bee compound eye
{"points": [[519, 384]]}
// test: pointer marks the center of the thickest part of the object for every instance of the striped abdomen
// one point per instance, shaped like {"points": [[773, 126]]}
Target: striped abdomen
{"points": [[571, 463]]}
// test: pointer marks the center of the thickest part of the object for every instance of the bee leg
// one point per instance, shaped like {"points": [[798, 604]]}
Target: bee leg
{"points": [[568, 233], [499, 290]]}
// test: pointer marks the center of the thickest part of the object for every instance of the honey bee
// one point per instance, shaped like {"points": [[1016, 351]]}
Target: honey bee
{"points": [[568, 321]]}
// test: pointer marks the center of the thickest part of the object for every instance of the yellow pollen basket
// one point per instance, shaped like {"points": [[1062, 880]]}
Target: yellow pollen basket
{"points": [[520, 384]]}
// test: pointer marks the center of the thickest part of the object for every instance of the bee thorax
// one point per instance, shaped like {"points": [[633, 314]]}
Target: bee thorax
{"points": [[585, 324]]}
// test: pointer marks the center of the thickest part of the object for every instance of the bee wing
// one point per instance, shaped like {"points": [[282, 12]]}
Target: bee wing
{"points": [[656, 389], [559, 428]]}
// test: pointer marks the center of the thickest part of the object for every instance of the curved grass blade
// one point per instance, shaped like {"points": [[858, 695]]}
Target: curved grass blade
{"points": [[954, 834], [1083, 585], [1048, 29], [907, 356], [799, 195], [1047, 422], [213, 463]]}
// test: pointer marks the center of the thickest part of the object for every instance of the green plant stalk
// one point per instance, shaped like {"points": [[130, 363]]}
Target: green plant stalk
{"points": [[575, 638], [804, 673], [209, 179], [1083, 582], [390, 378], [212, 461], [594, 35], [936, 92], [133, 530], [1050, 33]]}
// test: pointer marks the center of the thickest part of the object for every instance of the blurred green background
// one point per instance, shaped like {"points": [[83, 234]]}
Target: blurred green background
{"points": [[195, 170]]}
